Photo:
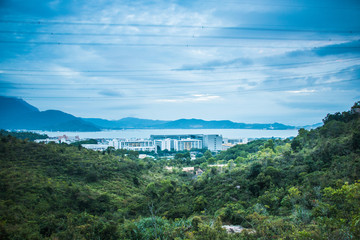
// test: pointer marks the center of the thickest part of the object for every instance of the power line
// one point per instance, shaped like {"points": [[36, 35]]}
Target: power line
{"points": [[193, 36], [255, 68], [159, 85], [244, 28], [312, 74], [296, 65], [350, 69], [276, 4], [142, 75], [166, 45]]}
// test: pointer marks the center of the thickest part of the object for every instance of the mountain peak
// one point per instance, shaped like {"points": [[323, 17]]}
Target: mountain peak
{"points": [[21, 115], [13, 105]]}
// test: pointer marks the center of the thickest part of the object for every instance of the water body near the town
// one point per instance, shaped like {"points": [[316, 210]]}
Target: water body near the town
{"points": [[145, 133]]}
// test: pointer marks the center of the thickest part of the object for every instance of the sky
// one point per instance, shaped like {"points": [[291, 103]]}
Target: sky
{"points": [[253, 61]]}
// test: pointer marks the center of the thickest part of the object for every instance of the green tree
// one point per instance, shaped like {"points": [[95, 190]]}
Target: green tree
{"points": [[207, 154]]}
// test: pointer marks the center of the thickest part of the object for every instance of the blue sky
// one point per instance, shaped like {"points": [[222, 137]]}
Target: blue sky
{"points": [[246, 61]]}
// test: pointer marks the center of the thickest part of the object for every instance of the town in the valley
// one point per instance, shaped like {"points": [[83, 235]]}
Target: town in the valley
{"points": [[156, 143]]}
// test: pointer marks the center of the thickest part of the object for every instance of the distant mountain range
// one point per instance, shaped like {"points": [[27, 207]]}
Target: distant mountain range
{"points": [[134, 123], [128, 122], [18, 114]]}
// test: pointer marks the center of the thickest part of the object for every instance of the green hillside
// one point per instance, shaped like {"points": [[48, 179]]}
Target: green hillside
{"points": [[305, 188]]}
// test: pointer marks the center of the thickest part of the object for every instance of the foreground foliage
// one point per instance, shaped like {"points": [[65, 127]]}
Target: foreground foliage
{"points": [[305, 188]]}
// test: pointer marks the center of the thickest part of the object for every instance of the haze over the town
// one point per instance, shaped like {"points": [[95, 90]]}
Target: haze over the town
{"points": [[246, 61]]}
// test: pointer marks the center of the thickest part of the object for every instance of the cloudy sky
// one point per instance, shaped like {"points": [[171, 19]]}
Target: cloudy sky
{"points": [[249, 61]]}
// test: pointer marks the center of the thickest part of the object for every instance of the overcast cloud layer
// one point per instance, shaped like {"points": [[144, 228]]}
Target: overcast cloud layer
{"points": [[242, 60]]}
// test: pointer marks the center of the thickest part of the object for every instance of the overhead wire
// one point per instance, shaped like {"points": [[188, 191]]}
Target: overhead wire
{"points": [[191, 36], [286, 5], [151, 74], [191, 69], [166, 45], [245, 28], [304, 75], [140, 86]]}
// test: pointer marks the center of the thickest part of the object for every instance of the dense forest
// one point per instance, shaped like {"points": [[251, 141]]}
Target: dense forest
{"points": [[304, 188], [24, 135]]}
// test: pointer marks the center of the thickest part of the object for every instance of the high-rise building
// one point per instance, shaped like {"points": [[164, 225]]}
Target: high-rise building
{"points": [[213, 142]]}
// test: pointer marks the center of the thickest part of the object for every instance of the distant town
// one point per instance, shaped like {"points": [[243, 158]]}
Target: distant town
{"points": [[171, 143]]}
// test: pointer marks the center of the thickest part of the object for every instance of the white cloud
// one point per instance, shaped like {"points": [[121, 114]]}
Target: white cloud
{"points": [[303, 91], [192, 98], [65, 72]]}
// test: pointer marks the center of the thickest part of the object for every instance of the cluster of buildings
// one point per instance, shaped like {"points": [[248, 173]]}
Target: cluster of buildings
{"points": [[59, 139], [170, 143], [213, 142], [155, 143]]}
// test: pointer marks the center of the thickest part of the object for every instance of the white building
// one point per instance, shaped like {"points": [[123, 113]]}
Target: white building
{"points": [[178, 144], [213, 142], [165, 144], [187, 144], [226, 146], [143, 156], [228, 143], [116, 142], [133, 144], [96, 147], [47, 140]]}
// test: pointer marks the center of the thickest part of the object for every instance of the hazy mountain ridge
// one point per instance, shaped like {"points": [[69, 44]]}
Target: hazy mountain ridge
{"points": [[18, 114], [128, 122], [137, 123], [220, 124]]}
